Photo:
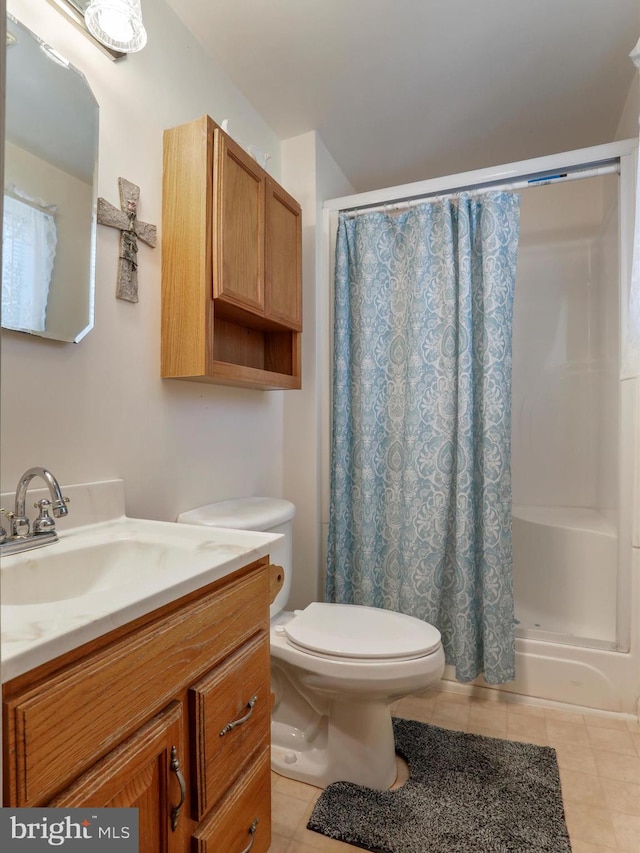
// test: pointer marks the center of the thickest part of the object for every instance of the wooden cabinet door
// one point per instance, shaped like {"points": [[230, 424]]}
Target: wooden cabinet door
{"points": [[238, 226], [138, 774], [283, 272]]}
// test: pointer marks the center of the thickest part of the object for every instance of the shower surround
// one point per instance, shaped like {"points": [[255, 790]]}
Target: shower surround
{"points": [[574, 436]]}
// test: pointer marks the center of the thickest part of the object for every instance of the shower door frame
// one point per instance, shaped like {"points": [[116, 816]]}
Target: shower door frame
{"points": [[625, 152]]}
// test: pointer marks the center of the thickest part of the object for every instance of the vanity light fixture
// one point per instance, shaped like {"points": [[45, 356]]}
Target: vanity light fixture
{"points": [[117, 24], [73, 11]]}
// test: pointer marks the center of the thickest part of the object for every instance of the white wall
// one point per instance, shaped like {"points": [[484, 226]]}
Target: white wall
{"points": [[98, 409], [311, 174], [628, 124]]}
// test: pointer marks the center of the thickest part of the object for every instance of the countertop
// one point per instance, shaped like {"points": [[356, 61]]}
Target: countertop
{"points": [[43, 629]]}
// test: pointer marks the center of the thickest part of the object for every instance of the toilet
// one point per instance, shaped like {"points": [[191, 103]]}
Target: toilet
{"points": [[335, 668]]}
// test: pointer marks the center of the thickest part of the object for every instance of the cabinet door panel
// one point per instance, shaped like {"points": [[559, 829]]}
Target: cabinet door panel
{"points": [[283, 284], [230, 716], [238, 244], [137, 774], [243, 817]]}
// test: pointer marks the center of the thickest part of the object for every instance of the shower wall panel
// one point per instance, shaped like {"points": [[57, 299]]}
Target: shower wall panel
{"points": [[565, 411], [554, 432], [565, 414], [606, 331]]}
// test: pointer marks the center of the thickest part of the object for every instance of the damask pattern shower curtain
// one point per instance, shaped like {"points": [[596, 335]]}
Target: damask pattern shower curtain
{"points": [[420, 505]]}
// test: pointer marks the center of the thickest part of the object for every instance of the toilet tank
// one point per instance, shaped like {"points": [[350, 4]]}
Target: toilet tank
{"points": [[267, 515]]}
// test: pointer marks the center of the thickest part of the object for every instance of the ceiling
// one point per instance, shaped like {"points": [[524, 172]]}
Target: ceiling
{"points": [[404, 90]]}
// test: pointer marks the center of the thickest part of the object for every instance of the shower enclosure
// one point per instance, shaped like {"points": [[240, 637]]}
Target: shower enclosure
{"points": [[574, 430], [565, 413]]}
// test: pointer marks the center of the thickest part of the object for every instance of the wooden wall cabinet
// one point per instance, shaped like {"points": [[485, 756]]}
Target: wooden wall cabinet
{"points": [[231, 265], [134, 719]]}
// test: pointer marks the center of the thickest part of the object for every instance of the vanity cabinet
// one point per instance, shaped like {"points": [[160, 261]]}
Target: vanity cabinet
{"points": [[169, 714], [231, 265]]}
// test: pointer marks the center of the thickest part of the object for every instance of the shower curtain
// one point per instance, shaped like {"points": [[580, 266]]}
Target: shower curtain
{"points": [[420, 503]]}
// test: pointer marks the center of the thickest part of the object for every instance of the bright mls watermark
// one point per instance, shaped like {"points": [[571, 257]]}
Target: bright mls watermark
{"points": [[27, 830]]}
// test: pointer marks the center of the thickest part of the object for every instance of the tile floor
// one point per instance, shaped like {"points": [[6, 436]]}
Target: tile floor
{"points": [[598, 757]]}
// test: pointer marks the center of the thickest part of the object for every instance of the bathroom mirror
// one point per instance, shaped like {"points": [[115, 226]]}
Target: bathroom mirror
{"points": [[50, 187]]}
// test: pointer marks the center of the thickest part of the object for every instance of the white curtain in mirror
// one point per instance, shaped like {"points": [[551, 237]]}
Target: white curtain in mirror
{"points": [[28, 253]]}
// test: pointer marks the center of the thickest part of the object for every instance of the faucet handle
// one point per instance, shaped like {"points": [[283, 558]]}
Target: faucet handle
{"points": [[19, 525], [3, 532], [43, 523]]}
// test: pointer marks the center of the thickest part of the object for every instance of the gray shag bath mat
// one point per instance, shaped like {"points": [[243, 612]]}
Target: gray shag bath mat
{"points": [[465, 794]]}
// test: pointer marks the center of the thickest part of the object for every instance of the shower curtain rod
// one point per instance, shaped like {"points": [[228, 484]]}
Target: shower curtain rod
{"points": [[543, 180]]}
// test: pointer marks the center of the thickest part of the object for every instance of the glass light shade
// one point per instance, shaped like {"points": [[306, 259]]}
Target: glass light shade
{"points": [[117, 24]]}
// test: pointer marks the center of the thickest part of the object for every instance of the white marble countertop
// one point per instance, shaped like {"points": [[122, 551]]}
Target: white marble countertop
{"points": [[175, 559]]}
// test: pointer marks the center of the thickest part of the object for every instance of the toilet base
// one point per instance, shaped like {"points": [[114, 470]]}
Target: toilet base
{"points": [[352, 743], [331, 717]]}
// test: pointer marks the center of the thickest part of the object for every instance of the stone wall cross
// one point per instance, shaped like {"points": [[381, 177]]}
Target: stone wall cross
{"points": [[132, 229]]}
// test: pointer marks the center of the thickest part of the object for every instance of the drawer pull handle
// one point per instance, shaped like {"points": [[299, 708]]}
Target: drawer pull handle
{"points": [[252, 833], [175, 768], [242, 720]]}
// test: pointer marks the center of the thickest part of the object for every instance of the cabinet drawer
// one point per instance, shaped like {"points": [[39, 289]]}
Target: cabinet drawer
{"points": [[243, 817], [57, 731], [231, 716]]}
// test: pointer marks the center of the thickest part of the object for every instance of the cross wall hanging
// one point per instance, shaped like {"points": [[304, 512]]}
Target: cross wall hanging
{"points": [[131, 229]]}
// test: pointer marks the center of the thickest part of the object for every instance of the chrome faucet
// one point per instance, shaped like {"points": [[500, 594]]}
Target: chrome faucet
{"points": [[21, 536]]}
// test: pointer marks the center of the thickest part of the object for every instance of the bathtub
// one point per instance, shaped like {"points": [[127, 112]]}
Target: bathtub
{"points": [[565, 574], [565, 585]]}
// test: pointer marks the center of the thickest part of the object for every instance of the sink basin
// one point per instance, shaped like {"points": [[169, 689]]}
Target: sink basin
{"points": [[47, 575], [111, 557]]}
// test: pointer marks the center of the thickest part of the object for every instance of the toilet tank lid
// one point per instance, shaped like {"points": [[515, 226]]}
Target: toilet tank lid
{"points": [[241, 514]]}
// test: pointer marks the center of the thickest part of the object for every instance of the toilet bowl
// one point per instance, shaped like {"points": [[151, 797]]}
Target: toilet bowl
{"points": [[335, 668]]}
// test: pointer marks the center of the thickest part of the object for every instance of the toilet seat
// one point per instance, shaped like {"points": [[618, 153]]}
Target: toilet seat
{"points": [[361, 633]]}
